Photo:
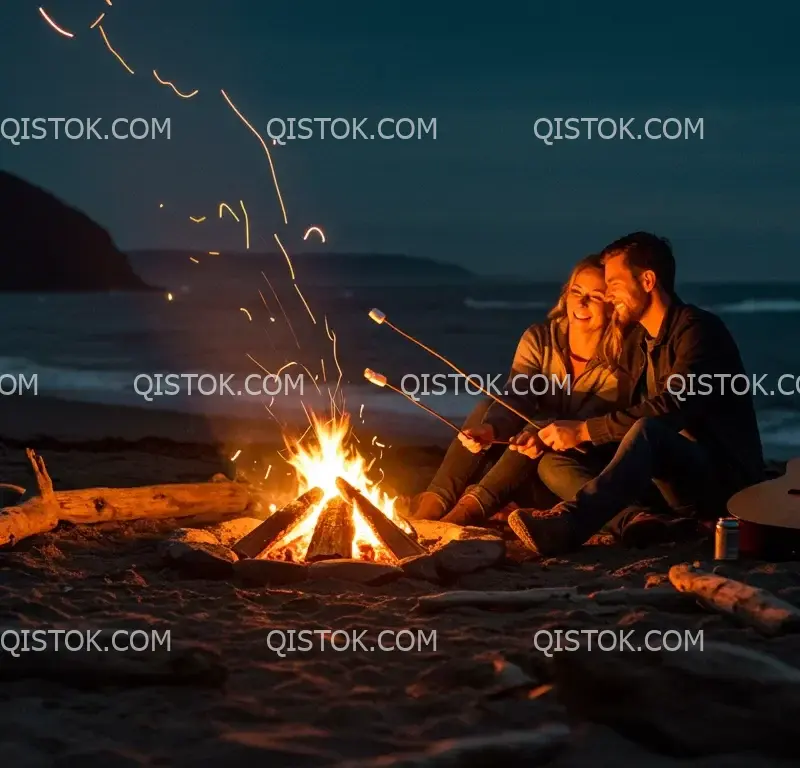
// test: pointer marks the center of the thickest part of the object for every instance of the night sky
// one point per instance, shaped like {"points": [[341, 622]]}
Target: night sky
{"points": [[486, 194]]}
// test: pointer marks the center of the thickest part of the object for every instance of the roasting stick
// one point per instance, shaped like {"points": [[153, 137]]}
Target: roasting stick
{"points": [[380, 318], [380, 380]]}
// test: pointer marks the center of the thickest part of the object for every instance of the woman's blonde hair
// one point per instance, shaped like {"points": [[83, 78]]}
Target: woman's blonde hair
{"points": [[610, 347], [593, 261]]}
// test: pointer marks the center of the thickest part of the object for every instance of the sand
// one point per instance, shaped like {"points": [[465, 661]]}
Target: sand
{"points": [[313, 708]]}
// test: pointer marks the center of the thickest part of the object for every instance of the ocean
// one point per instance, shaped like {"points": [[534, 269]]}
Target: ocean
{"points": [[225, 318]]}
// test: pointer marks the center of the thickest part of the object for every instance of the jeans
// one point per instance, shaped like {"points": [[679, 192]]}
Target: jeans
{"points": [[651, 456], [494, 476]]}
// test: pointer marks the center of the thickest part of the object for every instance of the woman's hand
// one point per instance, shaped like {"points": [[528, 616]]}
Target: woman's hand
{"points": [[563, 435], [478, 438], [528, 444]]}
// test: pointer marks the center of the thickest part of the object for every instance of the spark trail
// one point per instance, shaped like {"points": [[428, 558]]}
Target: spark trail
{"points": [[266, 149], [108, 45], [60, 30], [171, 85]]}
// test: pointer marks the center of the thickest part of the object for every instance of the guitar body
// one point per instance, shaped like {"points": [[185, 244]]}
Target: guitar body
{"points": [[773, 503]]}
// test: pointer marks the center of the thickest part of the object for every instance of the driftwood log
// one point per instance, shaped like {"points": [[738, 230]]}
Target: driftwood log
{"points": [[520, 599], [394, 538], [100, 505], [277, 525], [333, 534], [755, 607]]}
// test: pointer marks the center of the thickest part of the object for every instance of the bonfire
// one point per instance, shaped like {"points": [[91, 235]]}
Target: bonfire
{"points": [[339, 514]]}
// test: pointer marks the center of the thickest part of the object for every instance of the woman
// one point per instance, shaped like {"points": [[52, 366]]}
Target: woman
{"points": [[572, 350]]}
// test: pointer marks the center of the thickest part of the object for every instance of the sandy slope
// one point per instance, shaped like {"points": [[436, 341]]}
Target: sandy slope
{"points": [[318, 707]]}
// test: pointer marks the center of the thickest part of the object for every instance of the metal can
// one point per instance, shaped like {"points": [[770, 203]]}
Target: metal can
{"points": [[726, 540]]}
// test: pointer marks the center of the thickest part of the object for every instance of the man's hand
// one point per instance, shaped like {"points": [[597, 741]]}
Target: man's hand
{"points": [[563, 435], [528, 444], [478, 438]]}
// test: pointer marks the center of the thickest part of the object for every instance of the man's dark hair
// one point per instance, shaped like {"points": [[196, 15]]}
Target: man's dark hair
{"points": [[643, 251]]}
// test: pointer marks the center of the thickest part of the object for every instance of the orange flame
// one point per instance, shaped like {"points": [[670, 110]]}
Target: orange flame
{"points": [[318, 466]]}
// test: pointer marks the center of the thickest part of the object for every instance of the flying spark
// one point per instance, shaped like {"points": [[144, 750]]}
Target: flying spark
{"points": [[361, 411], [196, 219], [314, 229], [54, 25], [108, 45], [249, 316], [296, 341], [236, 455], [225, 205], [192, 258], [246, 225], [169, 297], [266, 306], [97, 21], [332, 337], [166, 82], [305, 303], [266, 149], [288, 260], [213, 253]]}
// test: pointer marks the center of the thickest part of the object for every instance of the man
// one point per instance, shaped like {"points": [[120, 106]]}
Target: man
{"points": [[699, 449]]}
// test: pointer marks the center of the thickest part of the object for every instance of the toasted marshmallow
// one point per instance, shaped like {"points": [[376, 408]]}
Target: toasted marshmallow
{"points": [[377, 316], [376, 378]]}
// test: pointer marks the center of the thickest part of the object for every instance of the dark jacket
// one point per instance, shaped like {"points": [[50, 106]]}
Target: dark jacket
{"points": [[692, 341]]}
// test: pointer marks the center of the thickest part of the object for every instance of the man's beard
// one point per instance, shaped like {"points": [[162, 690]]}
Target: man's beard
{"points": [[622, 319], [629, 315]]}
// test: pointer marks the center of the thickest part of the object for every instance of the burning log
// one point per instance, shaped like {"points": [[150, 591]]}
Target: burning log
{"points": [[278, 524], [334, 533], [100, 505], [397, 541]]}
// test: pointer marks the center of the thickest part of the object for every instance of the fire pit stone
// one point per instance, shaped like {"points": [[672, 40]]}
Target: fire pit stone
{"points": [[462, 556], [359, 571], [262, 573], [421, 567], [200, 559]]}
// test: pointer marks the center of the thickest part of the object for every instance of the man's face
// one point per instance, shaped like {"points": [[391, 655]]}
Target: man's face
{"points": [[624, 292]]}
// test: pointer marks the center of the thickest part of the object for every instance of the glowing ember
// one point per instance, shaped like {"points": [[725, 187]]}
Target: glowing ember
{"points": [[319, 466]]}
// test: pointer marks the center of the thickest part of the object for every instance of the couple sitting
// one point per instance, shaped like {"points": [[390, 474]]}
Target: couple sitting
{"points": [[622, 449]]}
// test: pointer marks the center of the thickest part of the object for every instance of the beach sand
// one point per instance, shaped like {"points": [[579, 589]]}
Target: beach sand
{"points": [[319, 707]]}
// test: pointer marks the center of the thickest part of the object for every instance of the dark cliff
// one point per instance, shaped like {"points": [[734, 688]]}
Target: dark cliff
{"points": [[46, 245]]}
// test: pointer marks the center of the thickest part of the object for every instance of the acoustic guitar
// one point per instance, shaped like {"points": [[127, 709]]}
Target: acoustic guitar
{"points": [[774, 502]]}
